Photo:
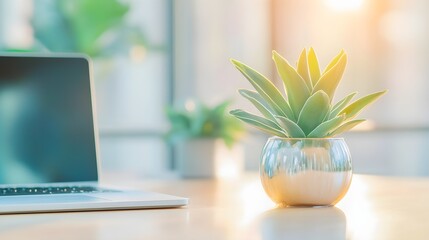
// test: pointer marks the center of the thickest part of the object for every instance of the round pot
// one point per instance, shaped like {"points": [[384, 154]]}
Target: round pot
{"points": [[306, 171]]}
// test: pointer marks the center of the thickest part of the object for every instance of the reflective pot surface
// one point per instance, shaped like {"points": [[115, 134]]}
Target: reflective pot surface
{"points": [[306, 171]]}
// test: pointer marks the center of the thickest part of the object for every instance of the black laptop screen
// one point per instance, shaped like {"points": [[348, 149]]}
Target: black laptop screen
{"points": [[46, 122]]}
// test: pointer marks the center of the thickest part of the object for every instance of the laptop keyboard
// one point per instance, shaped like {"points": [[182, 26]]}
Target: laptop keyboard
{"points": [[51, 190]]}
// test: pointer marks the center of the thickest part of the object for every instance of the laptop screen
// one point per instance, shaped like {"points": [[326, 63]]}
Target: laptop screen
{"points": [[46, 122]]}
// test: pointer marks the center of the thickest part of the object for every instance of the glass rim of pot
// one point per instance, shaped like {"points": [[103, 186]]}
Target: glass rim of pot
{"points": [[286, 138]]}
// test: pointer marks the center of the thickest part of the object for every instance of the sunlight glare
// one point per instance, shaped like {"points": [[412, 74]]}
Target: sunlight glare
{"points": [[344, 5], [255, 201], [362, 221]]}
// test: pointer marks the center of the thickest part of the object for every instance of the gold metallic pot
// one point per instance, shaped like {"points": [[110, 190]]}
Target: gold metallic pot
{"points": [[306, 171]]}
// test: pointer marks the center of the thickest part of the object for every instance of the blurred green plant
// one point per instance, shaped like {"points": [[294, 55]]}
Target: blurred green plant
{"points": [[307, 111], [197, 120], [95, 27], [76, 25]]}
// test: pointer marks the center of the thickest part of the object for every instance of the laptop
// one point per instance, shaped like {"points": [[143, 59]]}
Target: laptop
{"points": [[49, 158]]}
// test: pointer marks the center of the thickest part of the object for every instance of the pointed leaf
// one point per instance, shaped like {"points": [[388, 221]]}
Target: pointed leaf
{"points": [[259, 103], [329, 81], [313, 67], [314, 111], [346, 126], [292, 129], [341, 104], [266, 89], [260, 123], [296, 89], [334, 61], [354, 108], [323, 129], [302, 69]]}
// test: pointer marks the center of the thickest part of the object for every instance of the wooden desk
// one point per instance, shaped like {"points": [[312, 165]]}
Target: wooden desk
{"points": [[375, 208]]}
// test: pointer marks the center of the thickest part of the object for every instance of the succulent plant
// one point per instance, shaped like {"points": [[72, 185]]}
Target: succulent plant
{"points": [[307, 109]]}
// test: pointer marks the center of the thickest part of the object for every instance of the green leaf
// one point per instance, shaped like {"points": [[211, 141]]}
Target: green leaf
{"points": [[334, 61], [89, 20], [314, 111], [313, 67], [291, 128], [204, 121], [296, 89], [323, 129], [217, 119], [260, 123], [329, 81], [232, 130], [354, 108], [201, 123], [266, 89], [180, 124], [302, 69], [259, 103], [341, 104], [178, 120], [346, 126]]}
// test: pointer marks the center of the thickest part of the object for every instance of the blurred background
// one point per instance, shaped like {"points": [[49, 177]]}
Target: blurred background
{"points": [[150, 54]]}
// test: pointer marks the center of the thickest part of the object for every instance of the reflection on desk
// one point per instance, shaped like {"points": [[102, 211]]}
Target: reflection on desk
{"points": [[304, 223]]}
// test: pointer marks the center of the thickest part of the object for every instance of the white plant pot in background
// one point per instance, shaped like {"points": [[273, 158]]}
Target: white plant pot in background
{"points": [[208, 158]]}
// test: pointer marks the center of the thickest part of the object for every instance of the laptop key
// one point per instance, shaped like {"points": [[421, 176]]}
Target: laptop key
{"points": [[51, 190]]}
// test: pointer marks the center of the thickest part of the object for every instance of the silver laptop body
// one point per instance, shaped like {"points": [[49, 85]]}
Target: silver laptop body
{"points": [[49, 156]]}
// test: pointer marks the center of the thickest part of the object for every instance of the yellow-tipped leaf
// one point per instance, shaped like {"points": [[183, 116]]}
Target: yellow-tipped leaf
{"points": [[266, 89], [334, 61], [346, 126], [329, 81], [340, 105], [296, 89], [313, 66], [302, 69], [354, 108]]}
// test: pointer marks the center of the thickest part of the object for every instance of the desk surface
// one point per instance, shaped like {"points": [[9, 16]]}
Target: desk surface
{"points": [[374, 208]]}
